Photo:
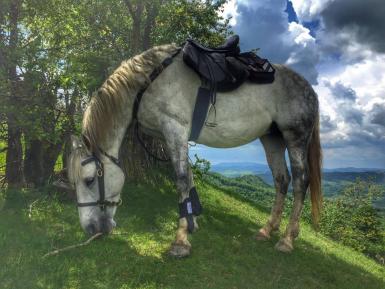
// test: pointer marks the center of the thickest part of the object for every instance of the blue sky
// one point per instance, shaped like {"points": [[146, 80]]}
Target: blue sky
{"points": [[338, 45]]}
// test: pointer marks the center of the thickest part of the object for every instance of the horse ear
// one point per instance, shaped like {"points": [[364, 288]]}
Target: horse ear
{"points": [[75, 142], [87, 142]]}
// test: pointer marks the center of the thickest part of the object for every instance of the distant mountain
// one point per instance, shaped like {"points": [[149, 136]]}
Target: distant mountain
{"points": [[353, 170], [243, 168], [334, 180], [374, 176], [239, 169]]}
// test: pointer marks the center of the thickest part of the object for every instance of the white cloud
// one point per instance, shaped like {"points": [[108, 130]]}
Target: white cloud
{"points": [[367, 78], [264, 25], [304, 55], [230, 10], [351, 102], [301, 35], [308, 10]]}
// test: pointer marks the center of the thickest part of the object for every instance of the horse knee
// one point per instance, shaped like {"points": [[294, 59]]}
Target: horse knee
{"points": [[182, 183]]}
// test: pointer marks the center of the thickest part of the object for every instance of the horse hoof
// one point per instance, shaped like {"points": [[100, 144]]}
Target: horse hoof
{"points": [[262, 235], [284, 245], [180, 250]]}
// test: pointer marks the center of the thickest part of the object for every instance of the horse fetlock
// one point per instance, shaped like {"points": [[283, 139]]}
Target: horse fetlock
{"points": [[292, 231], [274, 223], [263, 234]]}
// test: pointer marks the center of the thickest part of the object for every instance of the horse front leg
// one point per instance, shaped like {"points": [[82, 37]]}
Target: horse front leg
{"points": [[189, 206]]}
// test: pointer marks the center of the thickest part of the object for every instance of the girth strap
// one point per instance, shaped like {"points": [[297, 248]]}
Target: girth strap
{"points": [[201, 110]]}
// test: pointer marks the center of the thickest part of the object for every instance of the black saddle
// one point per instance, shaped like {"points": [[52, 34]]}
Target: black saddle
{"points": [[223, 68]]}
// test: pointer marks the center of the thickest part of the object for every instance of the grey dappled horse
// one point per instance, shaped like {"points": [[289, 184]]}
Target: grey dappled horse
{"points": [[283, 114]]}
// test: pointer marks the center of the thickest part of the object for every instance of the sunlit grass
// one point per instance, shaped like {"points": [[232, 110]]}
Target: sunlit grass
{"points": [[224, 254]]}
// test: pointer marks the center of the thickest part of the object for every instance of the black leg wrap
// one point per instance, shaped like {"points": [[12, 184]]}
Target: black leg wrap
{"points": [[190, 207], [196, 204]]}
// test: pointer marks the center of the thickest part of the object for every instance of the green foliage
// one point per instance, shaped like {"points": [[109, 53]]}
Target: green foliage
{"points": [[65, 50], [250, 187], [182, 19], [200, 168], [352, 220]]}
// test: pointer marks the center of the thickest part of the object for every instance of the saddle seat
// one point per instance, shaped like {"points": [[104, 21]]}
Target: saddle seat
{"points": [[230, 46], [225, 67]]}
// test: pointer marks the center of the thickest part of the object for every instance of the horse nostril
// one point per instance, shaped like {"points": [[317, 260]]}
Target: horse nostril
{"points": [[106, 225], [91, 229]]}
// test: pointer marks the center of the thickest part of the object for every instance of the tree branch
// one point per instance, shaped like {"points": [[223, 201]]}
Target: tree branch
{"points": [[55, 252]]}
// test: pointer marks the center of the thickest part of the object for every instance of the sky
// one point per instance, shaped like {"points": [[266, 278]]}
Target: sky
{"points": [[339, 47]]}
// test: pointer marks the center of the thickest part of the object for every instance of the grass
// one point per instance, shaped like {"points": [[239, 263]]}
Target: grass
{"points": [[224, 254]]}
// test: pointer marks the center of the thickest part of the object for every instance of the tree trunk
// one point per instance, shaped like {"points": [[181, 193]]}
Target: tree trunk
{"points": [[152, 11], [136, 11], [33, 162], [40, 160], [14, 159], [136, 161]]}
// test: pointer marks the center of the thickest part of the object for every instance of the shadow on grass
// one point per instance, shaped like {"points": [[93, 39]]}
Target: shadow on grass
{"points": [[224, 255]]}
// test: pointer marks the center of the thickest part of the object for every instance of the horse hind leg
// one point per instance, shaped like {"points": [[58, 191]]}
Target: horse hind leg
{"points": [[297, 145], [275, 147]]}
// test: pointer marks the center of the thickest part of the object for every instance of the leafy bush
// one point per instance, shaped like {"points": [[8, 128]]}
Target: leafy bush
{"points": [[200, 168], [352, 220]]}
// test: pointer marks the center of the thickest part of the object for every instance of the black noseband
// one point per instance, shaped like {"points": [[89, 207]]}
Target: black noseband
{"points": [[102, 202]]}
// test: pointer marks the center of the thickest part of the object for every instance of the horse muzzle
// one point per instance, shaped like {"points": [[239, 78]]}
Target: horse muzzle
{"points": [[103, 225]]}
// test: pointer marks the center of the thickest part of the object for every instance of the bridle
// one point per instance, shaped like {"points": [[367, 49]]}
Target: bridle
{"points": [[102, 202]]}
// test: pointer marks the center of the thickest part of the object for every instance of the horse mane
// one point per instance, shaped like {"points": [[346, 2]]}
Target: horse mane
{"points": [[118, 91], [108, 102]]}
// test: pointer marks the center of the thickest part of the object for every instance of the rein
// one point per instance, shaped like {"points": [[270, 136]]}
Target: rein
{"points": [[138, 99], [102, 202]]}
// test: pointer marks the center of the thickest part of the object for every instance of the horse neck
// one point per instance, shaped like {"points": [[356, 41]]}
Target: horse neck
{"points": [[115, 136]]}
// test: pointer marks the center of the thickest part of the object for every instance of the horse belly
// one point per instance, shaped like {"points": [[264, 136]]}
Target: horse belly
{"points": [[239, 120]]}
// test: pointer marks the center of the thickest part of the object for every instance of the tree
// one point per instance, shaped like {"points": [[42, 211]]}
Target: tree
{"points": [[9, 33], [56, 53]]}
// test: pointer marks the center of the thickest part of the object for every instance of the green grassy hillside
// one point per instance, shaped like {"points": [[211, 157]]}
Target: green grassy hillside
{"points": [[224, 255]]}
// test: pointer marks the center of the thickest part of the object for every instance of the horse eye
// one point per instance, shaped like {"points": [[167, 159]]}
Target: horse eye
{"points": [[89, 181]]}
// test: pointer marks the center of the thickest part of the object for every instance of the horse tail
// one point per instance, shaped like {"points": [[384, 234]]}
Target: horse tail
{"points": [[315, 167]]}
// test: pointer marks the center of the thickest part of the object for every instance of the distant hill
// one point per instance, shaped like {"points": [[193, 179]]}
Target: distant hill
{"points": [[243, 168], [352, 170], [374, 176], [334, 180], [239, 169]]}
